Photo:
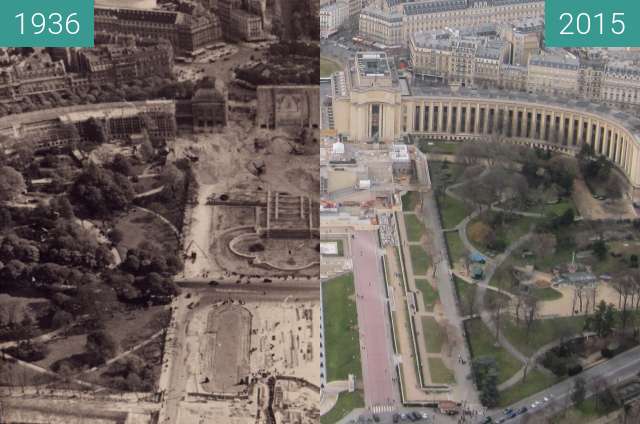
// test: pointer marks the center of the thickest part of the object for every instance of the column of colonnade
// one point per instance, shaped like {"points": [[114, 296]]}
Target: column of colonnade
{"points": [[526, 122], [532, 122]]}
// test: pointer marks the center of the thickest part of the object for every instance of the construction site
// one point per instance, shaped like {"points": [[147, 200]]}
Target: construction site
{"points": [[244, 339], [257, 211], [248, 361]]}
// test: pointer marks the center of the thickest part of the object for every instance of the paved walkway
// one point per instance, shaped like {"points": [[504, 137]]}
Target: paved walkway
{"points": [[128, 351], [330, 393], [378, 369], [487, 317], [149, 192], [492, 264], [533, 360], [444, 280]]}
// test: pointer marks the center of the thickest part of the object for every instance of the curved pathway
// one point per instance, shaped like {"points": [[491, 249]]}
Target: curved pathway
{"points": [[492, 264], [537, 354], [163, 219]]}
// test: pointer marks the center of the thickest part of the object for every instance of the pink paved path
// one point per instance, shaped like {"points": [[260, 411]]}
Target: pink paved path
{"points": [[375, 339]]}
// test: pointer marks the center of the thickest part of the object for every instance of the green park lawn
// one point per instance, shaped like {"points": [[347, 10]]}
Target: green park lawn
{"points": [[328, 67], [534, 382], [564, 204], [482, 343], [419, 260], [341, 328], [504, 279], [466, 294], [452, 211], [433, 334], [444, 174], [346, 403], [415, 228], [430, 295], [410, 201], [513, 228], [429, 146], [545, 294], [440, 374], [543, 331], [456, 248]]}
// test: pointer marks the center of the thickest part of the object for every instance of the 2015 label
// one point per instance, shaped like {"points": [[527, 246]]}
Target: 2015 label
{"points": [[582, 23], [592, 23]]}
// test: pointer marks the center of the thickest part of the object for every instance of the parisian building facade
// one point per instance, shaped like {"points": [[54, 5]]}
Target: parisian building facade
{"points": [[397, 20]]}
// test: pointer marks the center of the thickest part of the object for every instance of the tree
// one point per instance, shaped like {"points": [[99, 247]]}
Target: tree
{"points": [[543, 244], [11, 184], [600, 249], [101, 346], [116, 235], [626, 287], [6, 220], [61, 318], [562, 171], [122, 165], [579, 391], [101, 191], [496, 305], [173, 180], [485, 374], [531, 313], [602, 320], [480, 232], [62, 206], [146, 149], [14, 269]]}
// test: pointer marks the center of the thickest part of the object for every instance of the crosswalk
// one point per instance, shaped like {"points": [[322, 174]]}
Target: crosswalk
{"points": [[378, 409]]}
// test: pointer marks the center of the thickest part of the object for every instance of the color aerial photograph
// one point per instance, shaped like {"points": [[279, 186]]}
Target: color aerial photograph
{"points": [[479, 226], [159, 218]]}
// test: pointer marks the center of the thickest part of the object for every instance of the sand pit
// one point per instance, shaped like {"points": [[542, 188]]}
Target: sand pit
{"points": [[563, 305], [224, 351], [593, 209]]}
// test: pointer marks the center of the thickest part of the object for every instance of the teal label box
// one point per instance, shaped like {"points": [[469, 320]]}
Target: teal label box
{"points": [[592, 23], [46, 23]]}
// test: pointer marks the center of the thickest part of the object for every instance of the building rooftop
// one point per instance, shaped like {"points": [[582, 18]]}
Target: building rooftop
{"points": [[555, 61], [372, 64], [437, 6], [131, 4], [389, 16]]}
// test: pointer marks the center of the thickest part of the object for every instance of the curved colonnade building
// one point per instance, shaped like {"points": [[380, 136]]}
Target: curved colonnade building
{"points": [[371, 102]]}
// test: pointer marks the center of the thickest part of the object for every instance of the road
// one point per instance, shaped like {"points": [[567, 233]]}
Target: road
{"points": [[621, 367], [380, 391], [173, 379]]}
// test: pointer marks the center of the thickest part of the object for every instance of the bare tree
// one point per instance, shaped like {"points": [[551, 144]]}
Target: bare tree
{"points": [[625, 286], [531, 313], [543, 244], [496, 306]]}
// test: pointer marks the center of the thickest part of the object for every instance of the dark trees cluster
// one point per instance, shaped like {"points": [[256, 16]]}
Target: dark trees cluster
{"points": [[99, 192], [485, 374]]}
